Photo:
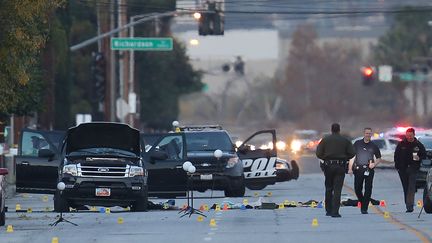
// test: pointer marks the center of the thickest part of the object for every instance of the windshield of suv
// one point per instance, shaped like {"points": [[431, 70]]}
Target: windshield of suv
{"points": [[208, 141], [102, 151]]}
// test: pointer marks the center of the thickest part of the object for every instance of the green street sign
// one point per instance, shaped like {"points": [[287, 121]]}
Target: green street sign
{"points": [[142, 44], [406, 76]]}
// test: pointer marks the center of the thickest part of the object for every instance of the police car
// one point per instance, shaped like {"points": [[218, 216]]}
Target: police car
{"points": [[247, 165]]}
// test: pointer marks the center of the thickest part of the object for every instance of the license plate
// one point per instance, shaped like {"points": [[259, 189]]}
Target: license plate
{"points": [[206, 177], [103, 192]]}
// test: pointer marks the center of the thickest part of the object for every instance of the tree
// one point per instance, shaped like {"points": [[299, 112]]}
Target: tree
{"points": [[25, 27], [322, 84], [409, 37], [163, 76]]}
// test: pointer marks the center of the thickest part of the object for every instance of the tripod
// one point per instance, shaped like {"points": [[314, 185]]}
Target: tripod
{"points": [[61, 219], [189, 210]]}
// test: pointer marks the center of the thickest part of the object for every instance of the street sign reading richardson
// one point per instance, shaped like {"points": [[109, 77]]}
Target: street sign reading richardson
{"points": [[142, 44]]}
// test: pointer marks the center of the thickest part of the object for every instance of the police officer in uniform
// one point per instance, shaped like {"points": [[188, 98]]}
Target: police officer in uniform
{"points": [[408, 155], [362, 165], [335, 150]]}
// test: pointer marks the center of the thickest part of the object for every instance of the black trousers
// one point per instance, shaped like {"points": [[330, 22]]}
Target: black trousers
{"points": [[408, 179], [334, 179], [359, 180]]}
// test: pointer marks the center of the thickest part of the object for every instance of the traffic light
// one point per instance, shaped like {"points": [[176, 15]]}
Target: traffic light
{"points": [[99, 75], [212, 21], [368, 75]]}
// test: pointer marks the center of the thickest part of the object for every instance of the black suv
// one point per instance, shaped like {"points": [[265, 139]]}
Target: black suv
{"points": [[100, 164], [237, 168], [224, 173]]}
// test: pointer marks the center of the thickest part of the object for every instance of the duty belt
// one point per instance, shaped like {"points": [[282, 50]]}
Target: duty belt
{"points": [[334, 162], [361, 166]]}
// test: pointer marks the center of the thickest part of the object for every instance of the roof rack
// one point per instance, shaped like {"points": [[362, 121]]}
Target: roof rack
{"points": [[200, 127]]}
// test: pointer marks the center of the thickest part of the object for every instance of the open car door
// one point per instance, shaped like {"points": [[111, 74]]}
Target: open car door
{"points": [[164, 163], [38, 160], [258, 154]]}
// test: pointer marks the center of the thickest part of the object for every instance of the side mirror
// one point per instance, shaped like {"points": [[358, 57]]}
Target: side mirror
{"points": [[4, 171], [158, 155], [46, 153]]}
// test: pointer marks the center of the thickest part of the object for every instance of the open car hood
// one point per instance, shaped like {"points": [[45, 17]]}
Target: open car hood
{"points": [[103, 135]]}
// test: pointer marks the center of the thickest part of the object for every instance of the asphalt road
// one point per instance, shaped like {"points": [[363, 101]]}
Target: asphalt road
{"points": [[293, 224]]}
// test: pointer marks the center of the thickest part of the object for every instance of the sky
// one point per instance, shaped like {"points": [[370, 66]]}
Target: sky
{"points": [[250, 44]]}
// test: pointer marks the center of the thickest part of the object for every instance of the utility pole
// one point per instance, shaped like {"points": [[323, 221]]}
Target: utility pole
{"points": [[112, 82]]}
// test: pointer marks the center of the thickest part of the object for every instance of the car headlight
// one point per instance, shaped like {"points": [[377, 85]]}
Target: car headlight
{"points": [[281, 145], [70, 169], [295, 145], [232, 162], [136, 171], [281, 166]]}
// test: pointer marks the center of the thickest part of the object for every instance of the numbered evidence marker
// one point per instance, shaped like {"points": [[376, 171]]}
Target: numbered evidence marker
{"points": [[45, 198], [281, 206], [120, 220], [386, 215], [245, 202], [200, 218], [212, 223], [107, 210], [17, 207], [55, 240], [9, 229], [314, 222]]}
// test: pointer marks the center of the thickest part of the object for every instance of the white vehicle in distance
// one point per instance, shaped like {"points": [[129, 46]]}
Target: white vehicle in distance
{"points": [[387, 148], [304, 141]]}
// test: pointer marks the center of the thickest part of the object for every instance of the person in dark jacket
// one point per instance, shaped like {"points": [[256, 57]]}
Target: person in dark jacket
{"points": [[408, 155], [335, 150]]}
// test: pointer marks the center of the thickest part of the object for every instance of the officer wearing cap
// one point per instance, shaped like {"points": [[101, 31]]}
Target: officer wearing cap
{"points": [[368, 156], [408, 155], [335, 150]]}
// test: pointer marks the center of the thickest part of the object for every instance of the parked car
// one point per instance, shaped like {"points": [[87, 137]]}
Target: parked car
{"points": [[427, 193], [304, 141], [238, 167], [426, 164], [3, 173], [100, 163]]}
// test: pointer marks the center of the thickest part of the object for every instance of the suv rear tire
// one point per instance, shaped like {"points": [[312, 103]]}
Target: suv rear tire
{"points": [[236, 188], [427, 203], [60, 203]]}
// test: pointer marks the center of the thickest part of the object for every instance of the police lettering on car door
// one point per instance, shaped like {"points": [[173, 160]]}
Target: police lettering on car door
{"points": [[260, 167]]}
